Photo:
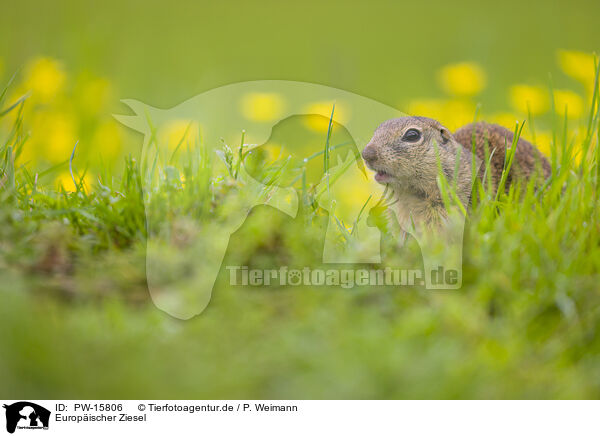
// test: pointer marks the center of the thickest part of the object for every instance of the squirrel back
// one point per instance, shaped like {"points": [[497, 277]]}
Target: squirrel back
{"points": [[527, 160]]}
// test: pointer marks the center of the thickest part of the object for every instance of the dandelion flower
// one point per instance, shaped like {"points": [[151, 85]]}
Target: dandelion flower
{"points": [[526, 99], [464, 79], [178, 131], [544, 142], [94, 94], [427, 107], [505, 119], [578, 65], [351, 191], [262, 106], [320, 123], [568, 100], [451, 113], [457, 113], [65, 181], [107, 139], [45, 77], [53, 135]]}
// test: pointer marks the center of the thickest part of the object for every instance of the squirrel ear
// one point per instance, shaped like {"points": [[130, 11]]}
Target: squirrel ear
{"points": [[445, 135]]}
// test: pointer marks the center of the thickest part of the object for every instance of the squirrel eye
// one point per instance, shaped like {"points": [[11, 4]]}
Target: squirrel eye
{"points": [[411, 135]]}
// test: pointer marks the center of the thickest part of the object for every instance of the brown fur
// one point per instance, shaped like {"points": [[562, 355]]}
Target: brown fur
{"points": [[411, 168], [527, 161]]}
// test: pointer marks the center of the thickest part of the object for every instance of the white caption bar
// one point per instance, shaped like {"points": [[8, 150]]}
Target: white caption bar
{"points": [[214, 417]]}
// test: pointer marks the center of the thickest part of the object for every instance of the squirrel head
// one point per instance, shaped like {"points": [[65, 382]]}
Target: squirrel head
{"points": [[402, 152]]}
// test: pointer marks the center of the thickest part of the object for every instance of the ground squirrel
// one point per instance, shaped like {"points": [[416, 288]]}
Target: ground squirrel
{"points": [[402, 153]]}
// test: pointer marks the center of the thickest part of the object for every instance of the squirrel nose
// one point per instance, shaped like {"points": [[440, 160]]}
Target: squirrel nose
{"points": [[369, 153]]}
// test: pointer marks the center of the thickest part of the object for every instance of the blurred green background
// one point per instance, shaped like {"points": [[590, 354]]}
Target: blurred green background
{"points": [[163, 53], [75, 317]]}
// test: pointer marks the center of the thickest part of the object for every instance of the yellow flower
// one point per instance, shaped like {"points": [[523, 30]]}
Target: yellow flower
{"points": [[505, 119], [578, 65], [526, 98], [544, 142], [351, 190], [94, 94], [107, 139], [45, 77], [53, 135], [319, 114], [451, 113], [428, 107], [457, 113], [65, 180], [464, 79], [176, 131], [564, 98], [262, 106]]}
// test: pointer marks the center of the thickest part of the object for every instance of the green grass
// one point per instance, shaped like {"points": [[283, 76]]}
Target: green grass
{"points": [[76, 320]]}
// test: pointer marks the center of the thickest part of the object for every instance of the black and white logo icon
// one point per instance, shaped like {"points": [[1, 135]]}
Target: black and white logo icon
{"points": [[26, 415]]}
